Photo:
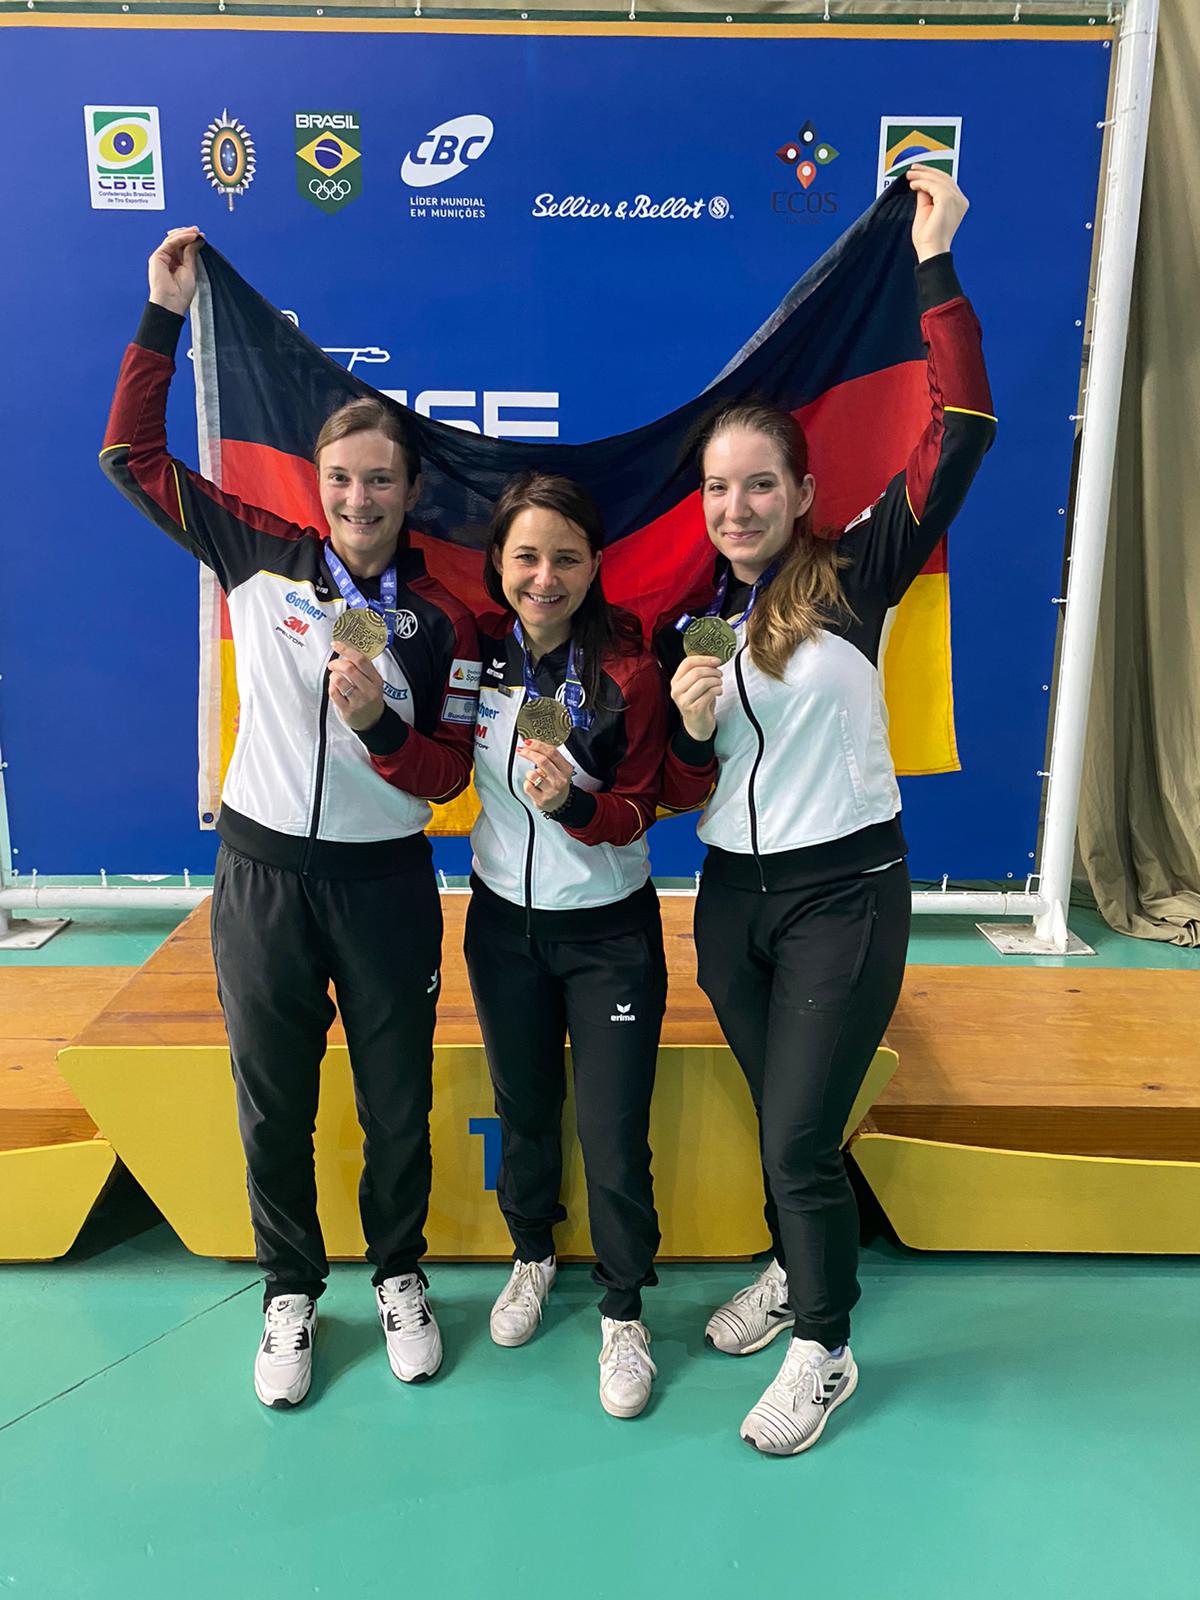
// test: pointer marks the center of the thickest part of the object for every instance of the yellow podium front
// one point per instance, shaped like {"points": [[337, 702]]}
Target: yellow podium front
{"points": [[169, 1114]]}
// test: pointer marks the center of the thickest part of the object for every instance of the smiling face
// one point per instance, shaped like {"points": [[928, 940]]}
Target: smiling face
{"points": [[366, 495], [546, 568], [751, 499]]}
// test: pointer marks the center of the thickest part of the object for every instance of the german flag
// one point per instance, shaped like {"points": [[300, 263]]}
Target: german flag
{"points": [[843, 352]]}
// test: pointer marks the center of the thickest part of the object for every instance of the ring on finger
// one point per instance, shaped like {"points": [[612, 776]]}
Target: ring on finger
{"points": [[537, 780]]}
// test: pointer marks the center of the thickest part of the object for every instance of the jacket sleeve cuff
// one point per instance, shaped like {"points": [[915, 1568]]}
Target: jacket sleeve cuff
{"points": [[385, 737], [576, 811], [159, 330], [937, 281], [692, 752]]}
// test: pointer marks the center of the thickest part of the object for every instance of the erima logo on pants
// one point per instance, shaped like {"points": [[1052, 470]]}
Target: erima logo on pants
{"points": [[623, 1014]]}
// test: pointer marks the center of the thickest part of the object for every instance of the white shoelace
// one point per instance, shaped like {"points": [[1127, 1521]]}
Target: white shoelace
{"points": [[798, 1366], [286, 1329], [625, 1351], [407, 1308], [523, 1288]]}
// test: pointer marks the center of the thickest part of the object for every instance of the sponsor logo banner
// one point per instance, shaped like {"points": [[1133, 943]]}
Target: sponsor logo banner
{"points": [[633, 208], [124, 154], [328, 158], [445, 153], [806, 153], [903, 140], [809, 157], [227, 155]]}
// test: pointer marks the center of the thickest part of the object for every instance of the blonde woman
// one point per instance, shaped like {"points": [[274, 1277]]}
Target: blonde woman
{"points": [[803, 912]]}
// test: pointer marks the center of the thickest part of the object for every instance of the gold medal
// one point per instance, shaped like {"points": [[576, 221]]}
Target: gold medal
{"points": [[710, 636], [547, 720], [362, 629]]}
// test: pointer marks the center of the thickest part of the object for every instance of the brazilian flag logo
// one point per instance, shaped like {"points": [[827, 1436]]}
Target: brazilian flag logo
{"points": [[934, 141], [328, 158]]}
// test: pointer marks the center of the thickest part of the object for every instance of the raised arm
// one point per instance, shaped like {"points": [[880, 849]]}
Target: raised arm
{"points": [[218, 528], [898, 534]]}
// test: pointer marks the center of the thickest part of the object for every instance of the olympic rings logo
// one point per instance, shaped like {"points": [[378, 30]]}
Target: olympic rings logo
{"points": [[328, 188]]}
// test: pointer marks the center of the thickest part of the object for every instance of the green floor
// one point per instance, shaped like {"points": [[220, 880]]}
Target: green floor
{"points": [[1024, 1427]]}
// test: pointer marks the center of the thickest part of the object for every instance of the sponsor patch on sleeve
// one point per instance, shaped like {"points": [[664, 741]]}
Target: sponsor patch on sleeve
{"points": [[458, 708], [861, 517], [465, 674]]}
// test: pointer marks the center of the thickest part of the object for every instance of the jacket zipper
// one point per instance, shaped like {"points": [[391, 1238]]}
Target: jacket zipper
{"points": [[512, 755], [762, 746], [322, 745]]}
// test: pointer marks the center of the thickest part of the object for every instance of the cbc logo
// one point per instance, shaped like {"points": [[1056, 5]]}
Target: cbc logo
{"points": [[446, 151]]}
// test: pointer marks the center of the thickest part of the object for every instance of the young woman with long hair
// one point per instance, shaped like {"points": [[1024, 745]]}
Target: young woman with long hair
{"points": [[803, 912]]}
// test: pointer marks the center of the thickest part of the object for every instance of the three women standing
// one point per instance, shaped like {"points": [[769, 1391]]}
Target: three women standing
{"points": [[802, 917]]}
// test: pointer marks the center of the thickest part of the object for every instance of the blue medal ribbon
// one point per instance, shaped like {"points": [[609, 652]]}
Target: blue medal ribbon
{"points": [[385, 606], [714, 609], [572, 684]]}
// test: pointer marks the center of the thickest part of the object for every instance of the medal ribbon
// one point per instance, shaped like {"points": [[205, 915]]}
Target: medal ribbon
{"points": [[714, 609], [384, 607], [572, 685]]}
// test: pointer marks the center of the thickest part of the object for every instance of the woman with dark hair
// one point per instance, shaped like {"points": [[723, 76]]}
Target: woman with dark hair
{"points": [[345, 646], [803, 912], [563, 931]]}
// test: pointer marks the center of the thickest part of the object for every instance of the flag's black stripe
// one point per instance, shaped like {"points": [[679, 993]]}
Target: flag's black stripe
{"points": [[854, 313]]}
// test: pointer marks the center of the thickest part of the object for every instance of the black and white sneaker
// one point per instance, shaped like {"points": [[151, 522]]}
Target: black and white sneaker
{"points": [[283, 1365], [792, 1414], [414, 1342], [753, 1317]]}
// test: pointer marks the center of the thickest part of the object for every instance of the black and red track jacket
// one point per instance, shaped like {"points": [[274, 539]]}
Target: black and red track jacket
{"points": [[583, 873], [303, 791], [798, 785]]}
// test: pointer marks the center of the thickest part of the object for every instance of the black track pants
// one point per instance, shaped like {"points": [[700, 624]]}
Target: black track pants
{"points": [[279, 939], [803, 983], [609, 994]]}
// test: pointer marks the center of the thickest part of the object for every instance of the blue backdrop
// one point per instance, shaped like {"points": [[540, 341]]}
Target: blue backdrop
{"points": [[618, 318]]}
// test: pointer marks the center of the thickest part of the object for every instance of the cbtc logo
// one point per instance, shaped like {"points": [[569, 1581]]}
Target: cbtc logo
{"points": [[446, 151]]}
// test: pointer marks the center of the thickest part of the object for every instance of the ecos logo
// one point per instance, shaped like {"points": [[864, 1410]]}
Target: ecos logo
{"points": [[446, 151]]}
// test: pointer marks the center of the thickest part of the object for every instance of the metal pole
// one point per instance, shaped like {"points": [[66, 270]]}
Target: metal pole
{"points": [[6, 872], [1114, 281], [58, 896]]}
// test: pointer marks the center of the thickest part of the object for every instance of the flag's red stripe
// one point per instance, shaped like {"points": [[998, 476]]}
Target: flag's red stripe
{"points": [[859, 435]]}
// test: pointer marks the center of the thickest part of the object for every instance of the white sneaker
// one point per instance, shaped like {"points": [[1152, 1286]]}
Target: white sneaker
{"points": [[414, 1343], [792, 1414], [283, 1365], [754, 1315], [518, 1311], [626, 1370]]}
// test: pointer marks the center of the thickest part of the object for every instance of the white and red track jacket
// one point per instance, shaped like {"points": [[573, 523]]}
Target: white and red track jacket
{"points": [[303, 791], [577, 874], [798, 785]]}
